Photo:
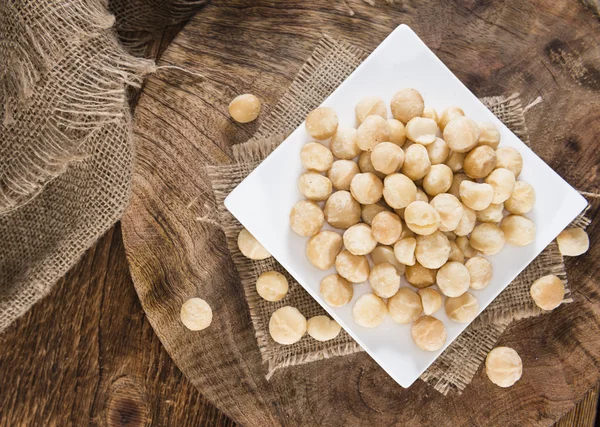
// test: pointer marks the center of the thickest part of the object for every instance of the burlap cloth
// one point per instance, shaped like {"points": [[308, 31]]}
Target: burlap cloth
{"points": [[331, 62]]}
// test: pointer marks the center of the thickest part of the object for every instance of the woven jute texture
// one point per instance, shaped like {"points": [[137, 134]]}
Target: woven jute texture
{"points": [[331, 62]]}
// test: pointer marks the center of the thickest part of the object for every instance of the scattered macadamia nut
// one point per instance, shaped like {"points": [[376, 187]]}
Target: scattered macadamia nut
{"points": [[341, 210], [465, 247], [386, 228], [385, 254], [453, 279], [450, 210], [503, 182], [421, 130], [518, 230], [341, 174], [431, 300], [353, 268], [370, 106], [422, 218], [438, 180], [372, 131], [456, 180], [321, 123], [503, 366], [548, 292], [416, 162], [521, 200], [407, 104], [322, 249], [480, 271], [196, 314], [405, 306], [488, 135], [573, 242], [463, 308], [365, 165], [244, 108], [455, 161], [448, 115], [316, 157], [387, 157], [336, 290], [509, 158], [397, 132], [480, 162], [272, 286], [366, 188], [359, 240], [432, 251], [455, 252], [322, 328], [343, 144], [404, 250], [428, 333], [287, 325], [249, 246], [419, 276], [306, 218], [487, 238], [467, 222], [399, 190], [438, 151], [384, 280], [370, 211], [430, 113], [369, 311], [461, 134], [493, 213], [476, 196], [315, 186]]}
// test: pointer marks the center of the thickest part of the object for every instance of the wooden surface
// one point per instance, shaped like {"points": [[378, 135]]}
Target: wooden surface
{"points": [[538, 48]]}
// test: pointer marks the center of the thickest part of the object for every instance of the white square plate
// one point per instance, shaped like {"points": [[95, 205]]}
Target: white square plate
{"points": [[262, 202]]}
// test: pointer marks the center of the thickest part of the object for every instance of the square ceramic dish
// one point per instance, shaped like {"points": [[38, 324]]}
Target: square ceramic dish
{"points": [[262, 202]]}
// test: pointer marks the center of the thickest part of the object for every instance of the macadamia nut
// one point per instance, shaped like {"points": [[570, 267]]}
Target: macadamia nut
{"points": [[493, 213], [448, 115], [372, 131], [461, 134], [370, 106], [422, 218], [509, 158], [430, 113], [421, 130], [573, 242], [306, 218], [399, 190], [476, 196], [416, 162], [453, 279], [407, 104], [366, 188], [405, 306], [343, 144], [384, 280], [455, 161], [272, 286], [438, 151], [480, 162], [341, 210], [480, 271], [322, 248], [503, 366], [404, 250], [397, 132], [455, 252], [466, 223], [548, 292], [359, 240], [370, 211], [322, 328], [431, 300], [432, 251], [518, 230], [244, 108], [465, 247], [365, 165], [503, 182], [419, 276], [386, 228], [488, 135], [336, 290], [369, 311], [387, 157], [521, 200], [354, 268], [438, 180], [341, 174], [321, 123], [196, 314], [450, 210], [385, 254], [315, 186], [428, 333], [287, 325], [487, 238], [249, 246], [463, 308], [316, 157], [456, 180]]}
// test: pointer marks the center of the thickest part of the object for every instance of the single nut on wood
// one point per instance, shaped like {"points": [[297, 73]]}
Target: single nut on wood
{"points": [[432, 251], [455, 161], [387, 157], [438, 151], [315, 186], [359, 240], [456, 180], [430, 113], [354, 268], [372, 131], [509, 158], [370, 211], [386, 228], [488, 135], [503, 182], [343, 143], [480, 162], [272, 286], [404, 250], [480, 271], [341, 174], [421, 130], [322, 248], [461, 134], [573, 242], [244, 108], [503, 366], [453, 279], [422, 218], [322, 328], [385, 254], [196, 314], [465, 247], [316, 157], [431, 300], [249, 246], [476, 196], [365, 165], [397, 132], [306, 218], [493, 213], [518, 230], [341, 210], [419, 276], [466, 223], [450, 114], [405, 306], [548, 292], [455, 252], [416, 162], [384, 280], [399, 190], [462, 309], [369, 311], [521, 200], [336, 290], [438, 180], [366, 188], [321, 123], [370, 106], [487, 238], [287, 325], [428, 333], [407, 104], [450, 210]]}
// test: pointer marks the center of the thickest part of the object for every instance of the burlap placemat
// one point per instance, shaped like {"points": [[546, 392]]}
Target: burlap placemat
{"points": [[331, 62]]}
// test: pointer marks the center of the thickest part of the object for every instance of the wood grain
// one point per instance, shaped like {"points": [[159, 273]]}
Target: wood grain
{"points": [[538, 48]]}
